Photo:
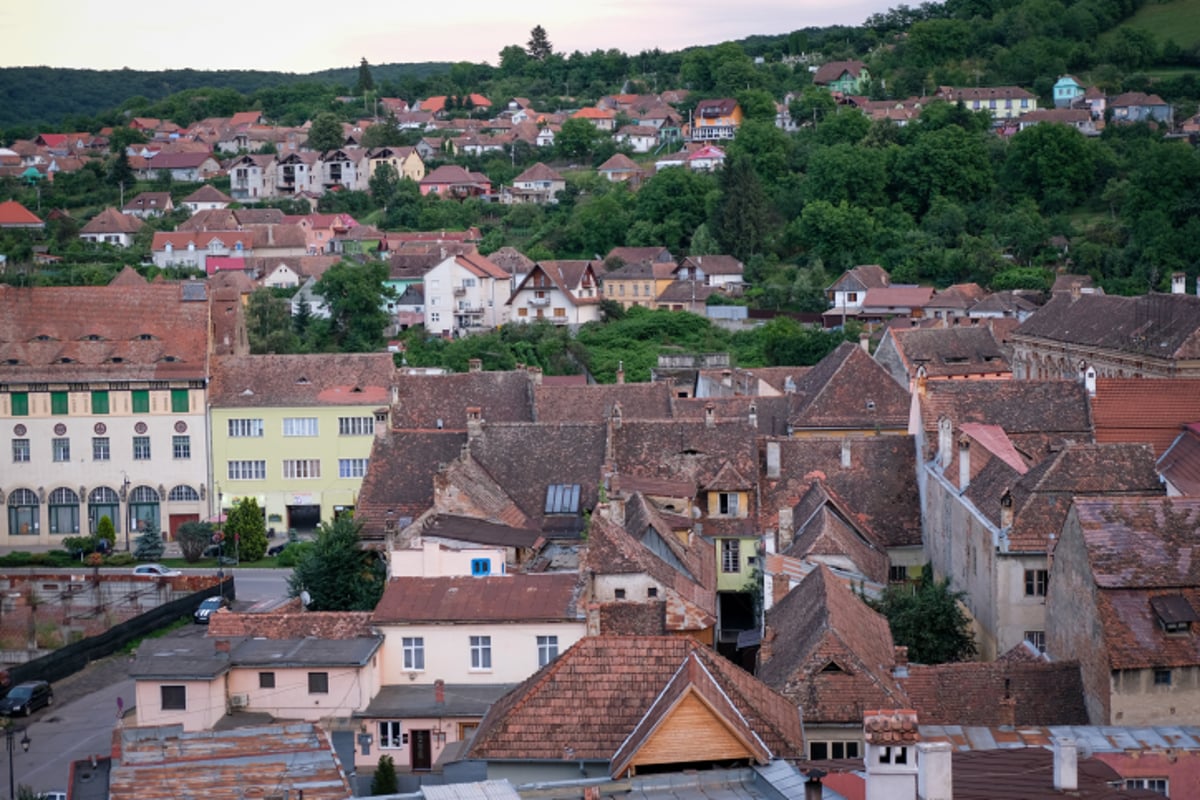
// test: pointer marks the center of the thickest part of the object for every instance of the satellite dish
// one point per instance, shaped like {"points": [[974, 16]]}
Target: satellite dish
{"points": [[305, 598]]}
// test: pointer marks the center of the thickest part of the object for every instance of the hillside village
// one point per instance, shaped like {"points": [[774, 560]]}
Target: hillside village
{"points": [[692, 554]]}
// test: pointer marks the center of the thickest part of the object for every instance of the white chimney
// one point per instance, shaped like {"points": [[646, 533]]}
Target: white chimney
{"points": [[786, 529], [945, 431], [773, 460], [846, 453], [1178, 283], [964, 463], [934, 771], [1066, 764]]}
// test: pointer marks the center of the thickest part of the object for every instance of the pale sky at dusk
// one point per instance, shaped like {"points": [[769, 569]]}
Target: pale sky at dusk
{"points": [[308, 37]]}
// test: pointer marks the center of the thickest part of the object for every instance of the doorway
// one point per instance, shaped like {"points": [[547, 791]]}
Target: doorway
{"points": [[418, 745]]}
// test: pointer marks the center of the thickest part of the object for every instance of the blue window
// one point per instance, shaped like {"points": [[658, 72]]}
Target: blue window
{"points": [[481, 567]]}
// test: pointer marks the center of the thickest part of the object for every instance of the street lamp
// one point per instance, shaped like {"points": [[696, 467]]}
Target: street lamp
{"points": [[9, 733], [128, 506]]}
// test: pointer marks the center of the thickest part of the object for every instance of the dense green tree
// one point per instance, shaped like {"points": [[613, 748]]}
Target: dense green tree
{"points": [[268, 323], [325, 133], [384, 779], [383, 184], [193, 538], [107, 531], [928, 620], [246, 530], [148, 546], [948, 162], [337, 573], [539, 46], [577, 138], [669, 207], [839, 235], [1053, 164], [845, 173], [356, 295], [813, 105], [366, 81], [382, 134], [740, 217]]}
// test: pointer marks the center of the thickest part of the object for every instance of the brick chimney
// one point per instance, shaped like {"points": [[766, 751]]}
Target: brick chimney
{"points": [[536, 374], [766, 646], [381, 422], [439, 691], [221, 645]]}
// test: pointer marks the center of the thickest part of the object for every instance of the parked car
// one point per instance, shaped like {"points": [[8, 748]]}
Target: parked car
{"points": [[25, 698], [208, 607], [275, 550], [155, 570]]}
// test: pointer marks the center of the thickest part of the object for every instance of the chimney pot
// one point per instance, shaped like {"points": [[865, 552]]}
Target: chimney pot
{"points": [[935, 771], [439, 691], [1178, 283], [1066, 764]]}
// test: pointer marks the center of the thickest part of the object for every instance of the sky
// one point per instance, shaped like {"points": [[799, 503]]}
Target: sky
{"points": [[312, 36]]}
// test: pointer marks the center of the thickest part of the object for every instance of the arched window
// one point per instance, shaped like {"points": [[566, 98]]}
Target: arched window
{"points": [[143, 509], [64, 511], [183, 493], [103, 502], [23, 513]]}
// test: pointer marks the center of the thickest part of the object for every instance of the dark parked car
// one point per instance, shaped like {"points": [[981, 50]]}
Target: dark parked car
{"points": [[25, 698], [207, 608]]}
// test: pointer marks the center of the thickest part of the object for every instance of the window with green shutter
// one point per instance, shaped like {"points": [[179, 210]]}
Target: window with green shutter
{"points": [[179, 401], [20, 404], [59, 403], [99, 402], [141, 401]]}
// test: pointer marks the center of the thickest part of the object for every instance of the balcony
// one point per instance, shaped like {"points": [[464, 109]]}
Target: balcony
{"points": [[459, 291], [539, 301]]}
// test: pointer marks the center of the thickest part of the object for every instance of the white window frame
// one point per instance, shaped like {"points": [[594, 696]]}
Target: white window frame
{"points": [[60, 448], [481, 653], [301, 426], [246, 470], [20, 451], [731, 556], [352, 467], [141, 448], [1160, 785], [245, 428], [181, 447], [414, 653], [728, 504], [356, 426], [391, 734], [547, 649], [302, 469]]}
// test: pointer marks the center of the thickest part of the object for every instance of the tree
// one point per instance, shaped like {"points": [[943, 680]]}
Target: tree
{"points": [[366, 82], [105, 530], [384, 780], [356, 295], [246, 526], [193, 538], [928, 620], [268, 325], [383, 184], [539, 46], [325, 133], [337, 573], [740, 217], [577, 138], [149, 544]]}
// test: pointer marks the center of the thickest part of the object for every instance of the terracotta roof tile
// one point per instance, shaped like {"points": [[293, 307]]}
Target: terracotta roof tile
{"points": [[848, 389], [596, 401], [426, 400], [521, 597], [1155, 325], [1146, 411], [360, 379], [950, 352]]}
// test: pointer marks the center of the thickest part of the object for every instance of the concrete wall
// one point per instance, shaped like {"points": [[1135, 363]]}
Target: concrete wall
{"points": [[205, 702], [1136, 700], [448, 650], [350, 689], [433, 560]]}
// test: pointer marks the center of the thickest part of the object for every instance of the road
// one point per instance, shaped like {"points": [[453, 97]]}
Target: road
{"points": [[82, 720]]}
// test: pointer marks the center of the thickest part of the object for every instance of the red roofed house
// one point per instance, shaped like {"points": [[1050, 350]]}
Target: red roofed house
{"points": [[561, 292], [193, 248], [846, 77], [538, 184], [149, 204], [715, 120], [205, 198], [187, 167], [465, 293], [451, 180], [847, 293], [111, 227], [15, 215], [602, 118], [1136, 410]]}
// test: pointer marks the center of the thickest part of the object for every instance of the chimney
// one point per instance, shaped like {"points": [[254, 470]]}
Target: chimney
{"points": [[754, 414], [1178, 283], [945, 434], [1006, 511], [846, 453], [1066, 764], [934, 771], [787, 529], [964, 463], [766, 646], [475, 365], [812, 784], [620, 373], [710, 418], [439, 691], [727, 378], [864, 341], [536, 374], [616, 509], [900, 656], [773, 460], [474, 423], [922, 378]]}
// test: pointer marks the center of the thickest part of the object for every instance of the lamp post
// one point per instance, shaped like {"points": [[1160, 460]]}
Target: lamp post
{"points": [[9, 733], [128, 506]]}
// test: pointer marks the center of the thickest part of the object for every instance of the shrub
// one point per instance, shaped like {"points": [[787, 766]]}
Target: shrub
{"points": [[120, 560], [149, 545], [193, 538], [106, 531], [384, 781], [292, 554]]}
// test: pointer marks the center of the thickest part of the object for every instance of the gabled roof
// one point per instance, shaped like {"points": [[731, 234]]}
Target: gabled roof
{"points": [[150, 201], [826, 526], [112, 221], [327, 379], [949, 352], [566, 276], [207, 194], [718, 107], [594, 698], [538, 172], [399, 483], [829, 652], [619, 162], [861, 278], [480, 266], [834, 70], [715, 265], [1180, 464], [1156, 325], [891, 297], [15, 215], [452, 174], [595, 402], [848, 389], [424, 401], [631, 255], [1018, 691], [519, 597], [593, 113], [1148, 411]]}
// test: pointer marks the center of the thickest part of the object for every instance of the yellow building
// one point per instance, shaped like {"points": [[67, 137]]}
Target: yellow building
{"points": [[294, 432], [639, 277]]}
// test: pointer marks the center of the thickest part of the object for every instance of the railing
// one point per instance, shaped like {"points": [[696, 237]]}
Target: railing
{"points": [[539, 301]]}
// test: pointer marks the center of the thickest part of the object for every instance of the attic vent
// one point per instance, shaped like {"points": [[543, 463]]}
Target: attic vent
{"points": [[954, 359], [170, 358], [116, 360], [302, 379], [66, 360], [247, 393], [356, 390], [12, 362], [870, 405], [94, 337], [41, 337], [832, 667], [145, 337]]}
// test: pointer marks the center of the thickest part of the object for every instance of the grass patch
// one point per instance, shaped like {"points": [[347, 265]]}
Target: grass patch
{"points": [[1177, 19], [182, 622]]}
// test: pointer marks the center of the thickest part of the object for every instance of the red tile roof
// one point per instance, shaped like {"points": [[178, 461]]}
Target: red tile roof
{"points": [[343, 379], [1146, 411], [548, 597], [13, 214]]}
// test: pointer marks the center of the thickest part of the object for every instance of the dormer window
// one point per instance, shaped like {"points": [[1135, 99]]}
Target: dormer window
{"points": [[94, 337], [42, 337], [1174, 613], [145, 337]]}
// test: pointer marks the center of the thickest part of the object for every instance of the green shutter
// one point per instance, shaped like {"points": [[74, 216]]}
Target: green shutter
{"points": [[141, 401], [99, 402], [179, 401], [59, 403], [20, 404]]}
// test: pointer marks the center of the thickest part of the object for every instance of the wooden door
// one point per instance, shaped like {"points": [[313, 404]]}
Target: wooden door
{"points": [[418, 745]]}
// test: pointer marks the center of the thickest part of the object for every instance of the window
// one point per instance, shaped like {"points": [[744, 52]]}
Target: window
{"points": [[20, 450], [1035, 582], [245, 428], [897, 574], [481, 652], [547, 649], [99, 402], [522, 312], [61, 448], [266, 680], [180, 401], [356, 426], [727, 504], [1037, 639], [893, 755], [174, 698], [731, 555], [414, 652], [181, 447], [183, 494], [560, 312], [1162, 677], [619, 594], [825, 750], [318, 683], [20, 404], [352, 467], [300, 426], [652, 592], [247, 470], [100, 448], [302, 468], [389, 735], [64, 511], [141, 448], [1159, 785], [481, 567], [141, 401], [851, 297], [59, 403]]}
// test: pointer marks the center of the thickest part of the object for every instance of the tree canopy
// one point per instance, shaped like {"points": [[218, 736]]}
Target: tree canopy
{"points": [[927, 619], [337, 573]]}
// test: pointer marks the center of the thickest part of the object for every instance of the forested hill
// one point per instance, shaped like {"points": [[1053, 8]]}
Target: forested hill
{"points": [[49, 97]]}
